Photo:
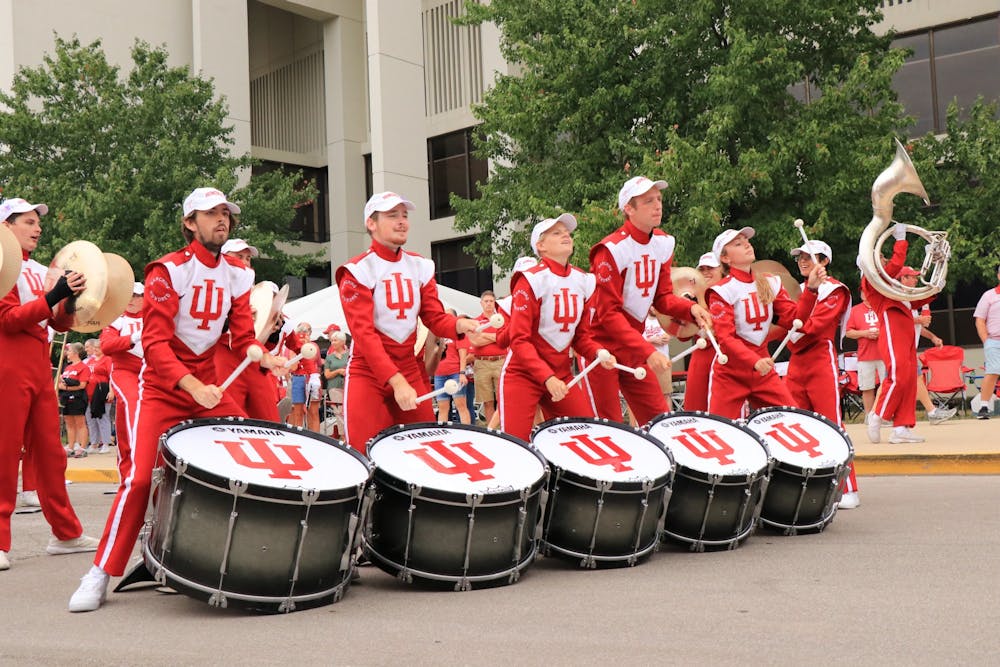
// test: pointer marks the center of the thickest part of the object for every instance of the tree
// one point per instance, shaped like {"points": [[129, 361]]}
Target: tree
{"points": [[706, 94], [113, 156]]}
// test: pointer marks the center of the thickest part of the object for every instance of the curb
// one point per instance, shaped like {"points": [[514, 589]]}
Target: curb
{"points": [[92, 475]]}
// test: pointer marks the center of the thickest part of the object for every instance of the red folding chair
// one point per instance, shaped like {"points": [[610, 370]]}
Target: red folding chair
{"points": [[945, 368]]}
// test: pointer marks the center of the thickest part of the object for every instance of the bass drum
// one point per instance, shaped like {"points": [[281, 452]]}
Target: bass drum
{"points": [[454, 504], [608, 490], [812, 458], [721, 478], [252, 514]]}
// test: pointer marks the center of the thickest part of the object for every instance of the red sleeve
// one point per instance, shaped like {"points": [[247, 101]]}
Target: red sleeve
{"points": [[826, 317], [15, 317], [523, 325], [666, 301], [788, 310], [724, 326], [358, 308], [113, 341], [160, 304], [631, 347]]}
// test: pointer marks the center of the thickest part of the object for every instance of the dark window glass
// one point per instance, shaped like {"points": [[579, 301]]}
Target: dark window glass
{"points": [[452, 169], [311, 222], [457, 269], [913, 85]]}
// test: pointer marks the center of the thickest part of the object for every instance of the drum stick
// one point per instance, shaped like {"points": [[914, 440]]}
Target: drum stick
{"points": [[719, 354], [700, 344], [254, 353], [805, 239], [496, 321], [309, 351], [602, 355], [450, 387], [639, 373], [796, 325]]}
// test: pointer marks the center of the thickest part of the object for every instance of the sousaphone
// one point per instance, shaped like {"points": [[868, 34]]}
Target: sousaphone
{"points": [[110, 280], [10, 260], [266, 302]]}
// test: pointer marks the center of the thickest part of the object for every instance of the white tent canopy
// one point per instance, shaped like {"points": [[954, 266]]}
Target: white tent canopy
{"points": [[323, 308]]}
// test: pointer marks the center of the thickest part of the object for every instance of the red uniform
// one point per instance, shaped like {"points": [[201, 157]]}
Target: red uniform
{"points": [[188, 297], [33, 413], [741, 323], [551, 308], [121, 343], [383, 292], [696, 382], [633, 273], [254, 389]]}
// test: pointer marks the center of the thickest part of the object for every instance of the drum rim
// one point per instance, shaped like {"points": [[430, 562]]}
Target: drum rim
{"points": [[616, 485], [764, 471], [809, 413]]}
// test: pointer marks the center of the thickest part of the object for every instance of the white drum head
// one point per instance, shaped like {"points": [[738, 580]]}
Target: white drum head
{"points": [[266, 454], [710, 445], [460, 460], [601, 451], [800, 439]]}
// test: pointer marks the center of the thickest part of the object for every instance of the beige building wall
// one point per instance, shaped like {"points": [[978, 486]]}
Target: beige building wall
{"points": [[911, 15]]}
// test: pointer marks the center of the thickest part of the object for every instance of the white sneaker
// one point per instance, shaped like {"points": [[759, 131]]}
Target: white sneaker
{"points": [[79, 452], [74, 546], [104, 449], [874, 424], [902, 434], [28, 499], [938, 415], [92, 593], [4, 563], [849, 501]]}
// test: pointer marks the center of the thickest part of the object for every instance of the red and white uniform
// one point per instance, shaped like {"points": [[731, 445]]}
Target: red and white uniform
{"points": [[633, 273], [188, 297], [33, 412], [551, 313], [742, 323], [383, 292], [254, 390], [897, 399], [126, 363]]}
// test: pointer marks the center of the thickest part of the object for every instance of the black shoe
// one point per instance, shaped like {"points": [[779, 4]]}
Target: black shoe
{"points": [[984, 413]]}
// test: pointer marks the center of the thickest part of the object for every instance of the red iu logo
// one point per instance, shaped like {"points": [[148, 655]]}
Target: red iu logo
{"points": [[803, 442], [645, 274], [602, 453], [403, 299], [34, 283], [700, 446], [208, 311], [569, 312], [760, 312], [268, 458], [472, 464]]}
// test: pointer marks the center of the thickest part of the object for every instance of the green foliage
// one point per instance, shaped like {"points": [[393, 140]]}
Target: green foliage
{"points": [[698, 93], [114, 156]]}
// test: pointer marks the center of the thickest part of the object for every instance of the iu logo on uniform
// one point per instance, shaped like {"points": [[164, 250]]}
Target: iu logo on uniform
{"points": [[267, 458], [801, 443], [208, 309], [645, 274], [707, 446], [34, 283], [759, 314], [448, 459], [402, 300], [603, 452], [567, 313]]}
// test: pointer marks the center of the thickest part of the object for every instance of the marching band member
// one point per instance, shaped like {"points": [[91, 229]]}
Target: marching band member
{"points": [[700, 362], [32, 421], [189, 296], [632, 266], [550, 313], [384, 291], [742, 305]]}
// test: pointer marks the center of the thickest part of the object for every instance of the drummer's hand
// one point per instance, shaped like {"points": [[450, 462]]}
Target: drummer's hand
{"points": [[659, 363], [464, 325], [206, 395], [764, 365], [609, 363], [271, 361], [701, 316], [480, 339], [556, 388], [405, 395], [816, 277], [76, 281], [280, 371]]}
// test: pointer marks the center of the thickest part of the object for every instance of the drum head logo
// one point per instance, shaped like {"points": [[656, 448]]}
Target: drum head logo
{"points": [[800, 442], [456, 458], [707, 446], [604, 452], [279, 467]]}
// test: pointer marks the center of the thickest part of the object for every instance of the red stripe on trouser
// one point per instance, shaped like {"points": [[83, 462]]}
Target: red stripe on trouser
{"points": [[644, 397], [897, 399], [520, 396]]}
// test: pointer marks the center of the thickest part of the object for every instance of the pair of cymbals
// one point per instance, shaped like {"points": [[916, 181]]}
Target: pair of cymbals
{"points": [[790, 284], [266, 302], [10, 260], [110, 281]]}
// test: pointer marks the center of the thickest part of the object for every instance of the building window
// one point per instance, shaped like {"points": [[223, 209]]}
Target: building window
{"points": [[458, 269], [311, 222], [957, 62], [369, 177], [451, 168], [317, 276]]}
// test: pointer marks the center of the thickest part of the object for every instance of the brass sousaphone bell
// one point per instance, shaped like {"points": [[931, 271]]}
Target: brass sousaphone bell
{"points": [[110, 280], [10, 260]]}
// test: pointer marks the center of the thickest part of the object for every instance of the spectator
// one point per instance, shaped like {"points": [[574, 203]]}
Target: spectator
{"points": [[98, 415], [335, 370], [987, 316], [452, 367], [305, 385], [489, 358], [72, 388], [863, 326]]}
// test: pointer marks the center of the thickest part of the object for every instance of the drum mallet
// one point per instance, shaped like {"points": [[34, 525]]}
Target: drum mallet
{"points": [[796, 325], [700, 344], [805, 240], [496, 321], [721, 356], [602, 355], [308, 351], [639, 373], [450, 387], [254, 353]]}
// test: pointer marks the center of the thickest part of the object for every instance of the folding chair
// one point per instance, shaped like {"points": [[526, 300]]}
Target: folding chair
{"points": [[945, 368], [852, 405]]}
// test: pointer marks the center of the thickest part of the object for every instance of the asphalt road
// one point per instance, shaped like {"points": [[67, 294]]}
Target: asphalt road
{"points": [[908, 578]]}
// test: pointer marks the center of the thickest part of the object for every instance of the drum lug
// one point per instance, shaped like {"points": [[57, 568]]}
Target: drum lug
{"points": [[473, 499], [157, 476], [543, 500]]}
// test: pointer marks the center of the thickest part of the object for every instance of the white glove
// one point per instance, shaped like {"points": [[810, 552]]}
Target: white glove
{"points": [[136, 337], [899, 231]]}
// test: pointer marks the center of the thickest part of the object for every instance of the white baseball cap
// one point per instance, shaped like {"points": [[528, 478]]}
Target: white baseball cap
{"points": [[204, 199], [385, 201], [138, 289], [18, 205], [708, 259], [524, 263], [723, 239], [547, 224], [236, 245], [817, 248], [634, 187]]}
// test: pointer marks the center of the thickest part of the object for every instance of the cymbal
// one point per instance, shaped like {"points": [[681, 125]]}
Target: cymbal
{"points": [[266, 305], [10, 260], [790, 284], [121, 280], [86, 258], [687, 282], [421, 337]]}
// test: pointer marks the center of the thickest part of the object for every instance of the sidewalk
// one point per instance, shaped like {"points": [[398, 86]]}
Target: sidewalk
{"points": [[955, 447]]}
